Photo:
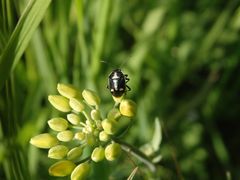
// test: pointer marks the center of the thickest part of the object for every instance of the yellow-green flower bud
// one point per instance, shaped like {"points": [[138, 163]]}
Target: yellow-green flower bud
{"points": [[44, 141], [76, 105], [112, 151], [95, 114], [127, 107], [68, 90], [73, 118], [58, 152], [89, 126], [114, 114], [91, 97], [98, 154], [84, 130], [75, 153], [62, 168], [81, 171], [59, 102], [79, 136], [109, 126], [58, 124], [89, 129], [98, 124], [89, 123], [65, 136], [103, 136], [90, 140]]}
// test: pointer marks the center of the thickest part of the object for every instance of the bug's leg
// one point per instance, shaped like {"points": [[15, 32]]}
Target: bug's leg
{"points": [[126, 78], [129, 89]]}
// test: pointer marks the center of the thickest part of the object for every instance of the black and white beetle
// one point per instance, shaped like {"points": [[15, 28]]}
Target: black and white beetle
{"points": [[117, 83]]}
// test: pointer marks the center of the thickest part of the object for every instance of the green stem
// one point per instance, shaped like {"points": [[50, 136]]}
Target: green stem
{"points": [[137, 154], [87, 116], [76, 127]]}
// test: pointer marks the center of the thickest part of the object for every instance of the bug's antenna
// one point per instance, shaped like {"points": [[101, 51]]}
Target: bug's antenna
{"points": [[106, 62]]}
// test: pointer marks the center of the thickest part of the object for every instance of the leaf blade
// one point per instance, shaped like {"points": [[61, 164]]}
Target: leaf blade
{"points": [[27, 24], [157, 136]]}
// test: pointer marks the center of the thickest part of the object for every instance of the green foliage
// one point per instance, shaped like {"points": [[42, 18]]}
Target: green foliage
{"points": [[182, 58], [20, 37]]}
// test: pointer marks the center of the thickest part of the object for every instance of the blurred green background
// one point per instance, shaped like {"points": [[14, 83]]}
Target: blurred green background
{"points": [[182, 58]]}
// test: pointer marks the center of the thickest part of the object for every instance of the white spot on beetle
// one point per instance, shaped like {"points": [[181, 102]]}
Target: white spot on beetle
{"points": [[115, 76], [115, 84]]}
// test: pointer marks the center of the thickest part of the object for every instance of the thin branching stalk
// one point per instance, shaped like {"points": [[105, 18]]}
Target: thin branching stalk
{"points": [[137, 153]]}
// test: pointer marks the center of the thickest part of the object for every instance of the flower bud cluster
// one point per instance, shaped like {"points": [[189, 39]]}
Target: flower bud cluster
{"points": [[83, 126]]}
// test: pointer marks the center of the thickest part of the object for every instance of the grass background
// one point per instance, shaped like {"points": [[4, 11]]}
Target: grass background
{"points": [[182, 58]]}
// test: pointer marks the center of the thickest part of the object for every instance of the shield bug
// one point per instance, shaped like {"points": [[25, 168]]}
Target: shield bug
{"points": [[117, 83]]}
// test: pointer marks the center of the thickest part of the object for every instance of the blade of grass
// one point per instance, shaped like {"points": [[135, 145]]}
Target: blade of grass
{"points": [[46, 71], [28, 22], [84, 53], [99, 36], [214, 33]]}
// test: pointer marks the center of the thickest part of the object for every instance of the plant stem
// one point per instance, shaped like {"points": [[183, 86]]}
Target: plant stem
{"points": [[137, 154], [87, 116]]}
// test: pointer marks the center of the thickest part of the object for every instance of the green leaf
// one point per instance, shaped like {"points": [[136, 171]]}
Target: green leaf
{"points": [[157, 136], [156, 159], [43, 61], [154, 145], [153, 20], [27, 24]]}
